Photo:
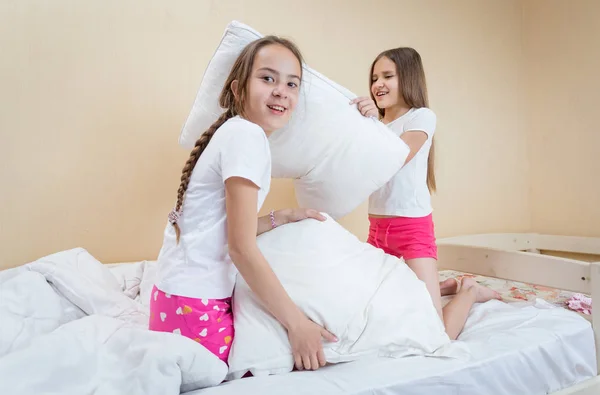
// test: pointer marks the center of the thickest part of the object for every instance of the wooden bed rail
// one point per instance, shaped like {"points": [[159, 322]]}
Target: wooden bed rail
{"points": [[528, 241], [545, 270], [595, 272]]}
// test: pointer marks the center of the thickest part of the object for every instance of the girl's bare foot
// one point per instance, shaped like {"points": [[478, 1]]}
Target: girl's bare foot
{"points": [[482, 294], [449, 286]]}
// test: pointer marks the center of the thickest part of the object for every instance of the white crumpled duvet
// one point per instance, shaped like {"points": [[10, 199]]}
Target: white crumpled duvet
{"points": [[70, 325]]}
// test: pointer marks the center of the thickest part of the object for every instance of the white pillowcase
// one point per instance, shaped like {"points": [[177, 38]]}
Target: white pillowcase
{"points": [[336, 156], [371, 301]]}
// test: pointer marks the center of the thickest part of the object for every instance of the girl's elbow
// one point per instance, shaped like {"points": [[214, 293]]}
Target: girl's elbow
{"points": [[241, 251]]}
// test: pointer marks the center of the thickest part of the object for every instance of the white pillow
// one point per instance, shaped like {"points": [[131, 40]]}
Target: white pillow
{"points": [[371, 301], [336, 156]]}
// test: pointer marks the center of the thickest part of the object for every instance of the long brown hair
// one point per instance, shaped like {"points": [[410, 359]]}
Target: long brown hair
{"points": [[412, 86], [233, 105]]}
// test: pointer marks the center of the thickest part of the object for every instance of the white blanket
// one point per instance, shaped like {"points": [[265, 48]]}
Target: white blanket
{"points": [[70, 325]]}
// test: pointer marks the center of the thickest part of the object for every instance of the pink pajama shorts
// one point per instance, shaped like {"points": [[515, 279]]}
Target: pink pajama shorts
{"points": [[404, 237], [206, 321]]}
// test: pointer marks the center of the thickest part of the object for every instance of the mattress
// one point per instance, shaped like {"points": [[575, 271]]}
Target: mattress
{"points": [[518, 348]]}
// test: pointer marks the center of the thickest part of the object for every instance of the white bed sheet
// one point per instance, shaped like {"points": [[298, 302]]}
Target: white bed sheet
{"points": [[510, 349]]}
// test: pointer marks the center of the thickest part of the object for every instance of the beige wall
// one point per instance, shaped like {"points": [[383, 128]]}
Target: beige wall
{"points": [[94, 94], [562, 52]]}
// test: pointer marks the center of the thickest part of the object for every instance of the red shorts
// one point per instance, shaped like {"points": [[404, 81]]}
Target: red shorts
{"points": [[404, 237]]}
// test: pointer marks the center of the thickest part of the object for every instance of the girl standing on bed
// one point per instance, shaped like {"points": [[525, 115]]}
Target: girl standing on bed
{"points": [[211, 234], [400, 213]]}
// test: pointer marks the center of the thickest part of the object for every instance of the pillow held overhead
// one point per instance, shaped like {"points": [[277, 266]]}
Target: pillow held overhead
{"points": [[336, 156]]}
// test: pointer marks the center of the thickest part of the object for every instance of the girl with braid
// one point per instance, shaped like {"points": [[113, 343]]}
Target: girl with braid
{"points": [[211, 234]]}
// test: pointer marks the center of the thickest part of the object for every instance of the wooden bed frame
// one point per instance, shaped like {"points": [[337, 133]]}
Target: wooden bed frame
{"points": [[519, 257]]}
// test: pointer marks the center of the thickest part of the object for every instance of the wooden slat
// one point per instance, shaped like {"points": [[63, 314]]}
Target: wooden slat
{"points": [[542, 270], [582, 245], [595, 293], [527, 241], [587, 387], [501, 241]]}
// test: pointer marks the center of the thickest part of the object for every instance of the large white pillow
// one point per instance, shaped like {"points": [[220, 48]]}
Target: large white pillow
{"points": [[371, 301], [336, 156]]}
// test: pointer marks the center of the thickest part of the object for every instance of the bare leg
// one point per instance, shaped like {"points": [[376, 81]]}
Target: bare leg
{"points": [[457, 310], [426, 271], [454, 314]]}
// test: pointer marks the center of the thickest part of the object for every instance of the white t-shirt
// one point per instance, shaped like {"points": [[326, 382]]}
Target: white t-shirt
{"points": [[406, 194], [200, 266]]}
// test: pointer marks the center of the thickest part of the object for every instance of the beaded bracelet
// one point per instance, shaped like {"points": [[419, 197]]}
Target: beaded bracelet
{"points": [[272, 216]]}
